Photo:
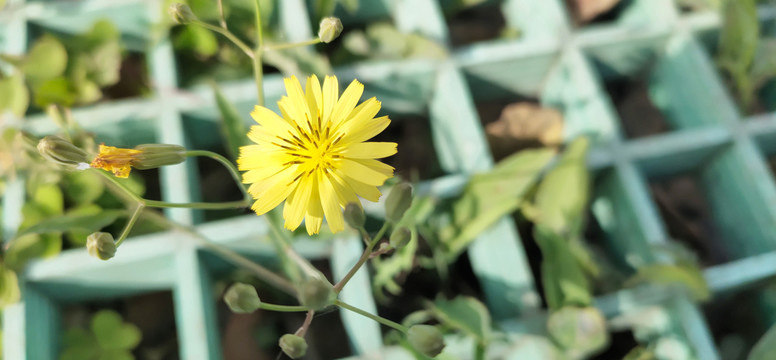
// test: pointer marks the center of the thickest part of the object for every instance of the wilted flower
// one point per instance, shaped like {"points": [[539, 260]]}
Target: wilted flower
{"points": [[148, 156]]}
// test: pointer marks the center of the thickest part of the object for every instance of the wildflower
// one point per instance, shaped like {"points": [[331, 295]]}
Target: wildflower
{"points": [[148, 156], [315, 156]]}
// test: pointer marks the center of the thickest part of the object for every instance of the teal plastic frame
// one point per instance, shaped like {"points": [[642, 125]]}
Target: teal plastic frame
{"points": [[552, 61]]}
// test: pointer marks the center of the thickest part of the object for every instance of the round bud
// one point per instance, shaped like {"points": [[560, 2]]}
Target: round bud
{"points": [[581, 331], [400, 237], [329, 29], [316, 293], [181, 13], [427, 339], [61, 151], [293, 346], [156, 155], [398, 201], [101, 245], [242, 298], [354, 216]]}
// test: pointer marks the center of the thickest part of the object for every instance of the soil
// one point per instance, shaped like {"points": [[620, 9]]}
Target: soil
{"points": [[687, 217], [738, 320], [152, 313], [602, 18], [416, 158], [475, 24], [620, 344], [133, 79], [638, 116]]}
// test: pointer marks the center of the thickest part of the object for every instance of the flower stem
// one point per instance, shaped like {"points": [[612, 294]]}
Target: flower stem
{"points": [[198, 205], [227, 164], [374, 317], [308, 319], [364, 257], [128, 227], [258, 70], [282, 308], [229, 35], [292, 45]]}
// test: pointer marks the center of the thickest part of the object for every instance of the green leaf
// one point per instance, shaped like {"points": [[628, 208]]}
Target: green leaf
{"points": [[47, 59], [689, 277], [562, 196], [49, 199], [113, 333], [491, 195], [466, 314], [78, 344], [58, 91], [116, 354], [739, 35], [78, 237], [9, 287], [23, 249], [580, 331], [562, 276], [199, 40], [106, 64], [764, 65], [82, 187], [232, 127], [765, 349], [640, 353], [15, 97], [74, 221]]}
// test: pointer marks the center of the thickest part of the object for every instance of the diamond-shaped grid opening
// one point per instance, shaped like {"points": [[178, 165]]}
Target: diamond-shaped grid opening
{"points": [[478, 23], [152, 313]]}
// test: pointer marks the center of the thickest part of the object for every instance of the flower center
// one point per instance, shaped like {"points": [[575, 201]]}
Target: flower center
{"points": [[313, 147]]}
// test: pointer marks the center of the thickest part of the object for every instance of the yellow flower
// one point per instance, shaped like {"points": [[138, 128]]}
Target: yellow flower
{"points": [[315, 157], [116, 160]]}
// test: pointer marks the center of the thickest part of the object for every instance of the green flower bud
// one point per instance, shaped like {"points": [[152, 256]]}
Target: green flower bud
{"points": [[61, 151], [293, 346], [427, 339], [181, 13], [329, 29], [316, 293], [581, 331], [242, 298], [398, 201], [354, 216], [400, 237], [157, 155], [101, 245]]}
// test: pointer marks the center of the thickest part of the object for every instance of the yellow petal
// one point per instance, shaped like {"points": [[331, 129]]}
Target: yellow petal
{"points": [[363, 131], [267, 118], [369, 150], [314, 216], [272, 191], [257, 156], [313, 95], [330, 96], [369, 192], [331, 207], [345, 194], [366, 111], [296, 204], [347, 103], [298, 101]]}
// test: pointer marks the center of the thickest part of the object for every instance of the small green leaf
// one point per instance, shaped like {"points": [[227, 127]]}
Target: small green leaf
{"points": [[739, 34], [82, 187], [765, 349], [47, 59], [113, 333], [232, 126], [466, 314], [9, 287], [580, 331], [562, 196], [106, 64], [58, 91], [23, 249], [562, 276], [76, 221], [49, 199], [15, 97], [200, 40], [78, 237], [640, 353]]}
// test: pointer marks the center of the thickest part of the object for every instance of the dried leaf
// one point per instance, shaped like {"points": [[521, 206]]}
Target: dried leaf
{"points": [[586, 10], [524, 125]]}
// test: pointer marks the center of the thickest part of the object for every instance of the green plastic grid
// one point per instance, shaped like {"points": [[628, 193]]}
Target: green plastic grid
{"points": [[553, 61]]}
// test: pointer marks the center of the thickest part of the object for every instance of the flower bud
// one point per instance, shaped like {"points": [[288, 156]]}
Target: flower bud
{"points": [[427, 339], [61, 151], [581, 331], [101, 245], [329, 29], [242, 298], [181, 13], [400, 237], [293, 346], [316, 293], [398, 201], [354, 216], [156, 155]]}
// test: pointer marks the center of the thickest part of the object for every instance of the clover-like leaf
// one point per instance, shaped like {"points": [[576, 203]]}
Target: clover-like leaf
{"points": [[466, 314], [112, 333], [46, 60]]}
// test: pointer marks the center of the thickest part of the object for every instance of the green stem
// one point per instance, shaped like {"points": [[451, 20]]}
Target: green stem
{"points": [[227, 164], [280, 242], [111, 179], [128, 227], [479, 352], [292, 45], [258, 70], [282, 308], [377, 318], [364, 257], [228, 34], [198, 205]]}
